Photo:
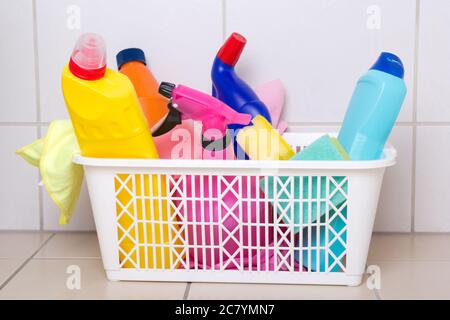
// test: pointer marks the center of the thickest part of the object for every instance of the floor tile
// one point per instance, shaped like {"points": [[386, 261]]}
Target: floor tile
{"points": [[289, 292], [320, 48], [17, 79], [48, 279], [414, 279], [71, 245], [409, 247], [21, 244], [8, 267]]}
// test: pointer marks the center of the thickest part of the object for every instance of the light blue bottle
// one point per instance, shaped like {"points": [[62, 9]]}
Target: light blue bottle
{"points": [[373, 109]]}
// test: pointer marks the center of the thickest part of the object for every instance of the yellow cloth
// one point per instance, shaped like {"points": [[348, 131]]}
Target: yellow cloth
{"points": [[53, 155]]}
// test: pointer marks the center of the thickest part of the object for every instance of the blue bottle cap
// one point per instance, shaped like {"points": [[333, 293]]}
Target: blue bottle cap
{"points": [[130, 54], [389, 63]]}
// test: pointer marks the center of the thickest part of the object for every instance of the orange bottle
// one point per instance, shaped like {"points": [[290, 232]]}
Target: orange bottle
{"points": [[131, 62]]}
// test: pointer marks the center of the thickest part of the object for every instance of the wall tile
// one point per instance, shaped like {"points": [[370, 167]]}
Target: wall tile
{"points": [[394, 206], [82, 219], [17, 79], [433, 96], [432, 180], [319, 48], [180, 39], [19, 203]]}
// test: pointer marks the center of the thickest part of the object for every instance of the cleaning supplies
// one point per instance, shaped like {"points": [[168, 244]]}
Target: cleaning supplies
{"points": [[315, 240], [230, 88], [103, 106], [262, 142], [373, 109], [131, 62], [175, 140], [53, 156], [211, 221], [301, 201], [214, 115], [181, 142], [109, 123], [324, 148]]}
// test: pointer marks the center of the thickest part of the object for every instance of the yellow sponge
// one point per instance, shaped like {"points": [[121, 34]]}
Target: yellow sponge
{"points": [[262, 142]]}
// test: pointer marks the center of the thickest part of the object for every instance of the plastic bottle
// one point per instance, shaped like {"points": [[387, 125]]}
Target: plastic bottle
{"points": [[109, 123], [230, 88], [103, 105], [131, 62], [373, 109], [214, 115]]}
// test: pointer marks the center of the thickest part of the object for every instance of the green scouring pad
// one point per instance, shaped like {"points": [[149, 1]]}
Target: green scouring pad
{"points": [[308, 203]]}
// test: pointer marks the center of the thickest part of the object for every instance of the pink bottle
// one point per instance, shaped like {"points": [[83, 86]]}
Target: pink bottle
{"points": [[214, 115]]}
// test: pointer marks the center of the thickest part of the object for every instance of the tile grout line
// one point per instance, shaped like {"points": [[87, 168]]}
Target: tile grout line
{"points": [[291, 123], [397, 124], [36, 63], [40, 196], [8, 280], [187, 290], [224, 20], [38, 105], [414, 115], [66, 258], [23, 124]]}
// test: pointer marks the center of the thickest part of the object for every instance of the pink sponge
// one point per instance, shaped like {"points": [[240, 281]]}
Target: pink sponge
{"points": [[272, 94]]}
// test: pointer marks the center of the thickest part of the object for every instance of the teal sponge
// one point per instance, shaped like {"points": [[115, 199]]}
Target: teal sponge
{"points": [[308, 204], [324, 148]]}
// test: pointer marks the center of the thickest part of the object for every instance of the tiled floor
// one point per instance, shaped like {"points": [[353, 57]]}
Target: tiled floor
{"points": [[40, 265]]}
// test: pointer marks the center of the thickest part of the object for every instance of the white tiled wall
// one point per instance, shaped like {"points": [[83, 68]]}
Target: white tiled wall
{"points": [[318, 48]]}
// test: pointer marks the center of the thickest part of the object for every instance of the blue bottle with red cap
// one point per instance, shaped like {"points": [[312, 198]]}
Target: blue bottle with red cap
{"points": [[231, 89], [373, 109]]}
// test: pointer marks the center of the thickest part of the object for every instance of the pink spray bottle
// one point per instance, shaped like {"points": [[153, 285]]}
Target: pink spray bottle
{"points": [[215, 116], [187, 103]]}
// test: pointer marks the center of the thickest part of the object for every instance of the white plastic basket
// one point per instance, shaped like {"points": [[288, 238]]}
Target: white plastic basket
{"points": [[241, 230]]}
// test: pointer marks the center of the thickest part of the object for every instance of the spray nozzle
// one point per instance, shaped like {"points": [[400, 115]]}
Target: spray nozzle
{"points": [[231, 50], [88, 59], [166, 89]]}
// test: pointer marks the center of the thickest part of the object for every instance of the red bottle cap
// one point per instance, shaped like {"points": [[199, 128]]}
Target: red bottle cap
{"points": [[88, 60], [231, 50]]}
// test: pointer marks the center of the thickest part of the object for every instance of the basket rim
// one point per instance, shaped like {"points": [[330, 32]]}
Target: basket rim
{"points": [[388, 159]]}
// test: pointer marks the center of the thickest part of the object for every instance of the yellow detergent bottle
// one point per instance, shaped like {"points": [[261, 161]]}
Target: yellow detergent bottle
{"points": [[109, 123]]}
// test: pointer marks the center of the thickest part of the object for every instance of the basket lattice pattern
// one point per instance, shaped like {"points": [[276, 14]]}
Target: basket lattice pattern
{"points": [[220, 222]]}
